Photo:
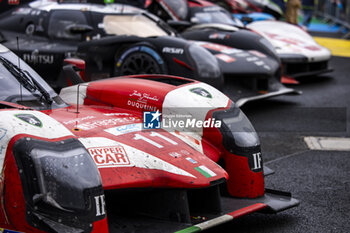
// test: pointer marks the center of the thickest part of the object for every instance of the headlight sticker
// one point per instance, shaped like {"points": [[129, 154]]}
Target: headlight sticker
{"points": [[30, 119], [201, 91]]}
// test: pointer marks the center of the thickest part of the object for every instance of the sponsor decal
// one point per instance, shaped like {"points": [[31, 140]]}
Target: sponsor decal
{"points": [[152, 120], [124, 129], [191, 160], [257, 53], [290, 42], [313, 48], [143, 97], [78, 119], [112, 156], [185, 152], [36, 58], [100, 205], [231, 51], [267, 67], [259, 63], [116, 114], [175, 154], [257, 161], [219, 36], [173, 50], [143, 106], [140, 100], [106, 122], [205, 171], [2, 133], [201, 91], [215, 47], [250, 59], [179, 153], [225, 58], [30, 119], [242, 54], [284, 39]]}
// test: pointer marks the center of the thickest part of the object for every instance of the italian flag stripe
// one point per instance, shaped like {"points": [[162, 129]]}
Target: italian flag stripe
{"points": [[205, 171], [247, 210], [223, 219], [189, 229]]}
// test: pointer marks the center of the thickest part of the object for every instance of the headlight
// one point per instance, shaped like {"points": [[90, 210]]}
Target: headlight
{"points": [[60, 182], [238, 135], [206, 64], [238, 128]]}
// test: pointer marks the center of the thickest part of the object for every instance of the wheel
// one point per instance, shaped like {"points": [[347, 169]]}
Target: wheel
{"points": [[139, 59], [139, 63], [30, 29]]}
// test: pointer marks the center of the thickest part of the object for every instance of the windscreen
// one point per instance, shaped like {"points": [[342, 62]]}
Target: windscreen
{"points": [[60, 21], [12, 89], [179, 7], [136, 25], [212, 17]]}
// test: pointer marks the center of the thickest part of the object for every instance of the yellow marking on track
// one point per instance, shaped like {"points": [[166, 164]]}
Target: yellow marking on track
{"points": [[338, 47]]}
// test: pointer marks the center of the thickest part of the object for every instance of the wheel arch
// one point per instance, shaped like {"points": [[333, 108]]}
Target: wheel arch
{"points": [[142, 47]]}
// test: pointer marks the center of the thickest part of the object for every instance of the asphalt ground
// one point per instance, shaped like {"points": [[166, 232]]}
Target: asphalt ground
{"points": [[319, 179]]}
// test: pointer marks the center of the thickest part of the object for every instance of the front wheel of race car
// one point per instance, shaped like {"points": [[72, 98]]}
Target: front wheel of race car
{"points": [[139, 60]]}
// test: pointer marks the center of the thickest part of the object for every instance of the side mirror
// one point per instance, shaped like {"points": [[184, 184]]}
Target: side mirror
{"points": [[178, 25], [79, 28], [72, 73]]}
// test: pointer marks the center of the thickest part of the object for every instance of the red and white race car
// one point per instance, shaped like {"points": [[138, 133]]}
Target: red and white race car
{"points": [[64, 166]]}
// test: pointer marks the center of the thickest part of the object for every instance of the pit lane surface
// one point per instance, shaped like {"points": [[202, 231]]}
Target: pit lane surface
{"points": [[319, 179]]}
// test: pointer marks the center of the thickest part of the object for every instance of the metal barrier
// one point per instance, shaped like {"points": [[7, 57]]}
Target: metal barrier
{"points": [[335, 12]]}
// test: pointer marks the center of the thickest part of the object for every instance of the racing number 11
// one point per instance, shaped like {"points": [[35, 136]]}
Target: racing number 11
{"points": [[150, 141]]}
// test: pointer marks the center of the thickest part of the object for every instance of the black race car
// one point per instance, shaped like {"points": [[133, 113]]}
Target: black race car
{"points": [[49, 32], [299, 53], [122, 40]]}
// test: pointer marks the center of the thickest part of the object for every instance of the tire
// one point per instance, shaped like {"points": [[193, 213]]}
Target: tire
{"points": [[30, 29], [136, 61]]}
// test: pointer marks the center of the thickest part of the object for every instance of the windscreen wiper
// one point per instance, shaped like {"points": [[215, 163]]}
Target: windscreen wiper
{"points": [[159, 23], [26, 79]]}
